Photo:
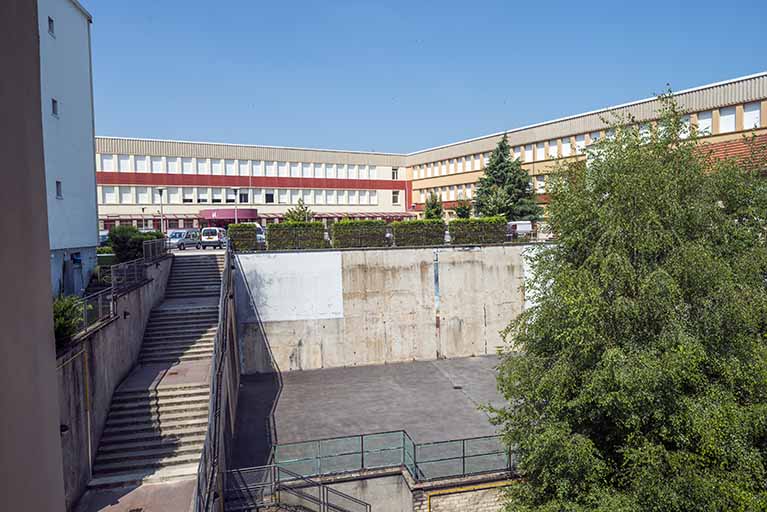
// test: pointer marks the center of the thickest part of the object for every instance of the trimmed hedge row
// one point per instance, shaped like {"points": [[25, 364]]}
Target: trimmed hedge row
{"points": [[244, 237], [478, 230], [296, 235], [419, 232], [360, 233]]}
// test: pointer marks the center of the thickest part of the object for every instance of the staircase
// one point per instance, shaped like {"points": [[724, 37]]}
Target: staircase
{"points": [[195, 276], [156, 431]]}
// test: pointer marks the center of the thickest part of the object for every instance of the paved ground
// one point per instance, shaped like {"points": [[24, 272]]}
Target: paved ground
{"points": [[432, 401], [167, 496], [157, 376]]}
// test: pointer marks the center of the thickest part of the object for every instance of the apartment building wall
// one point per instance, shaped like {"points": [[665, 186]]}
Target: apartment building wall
{"points": [[68, 132], [30, 443]]}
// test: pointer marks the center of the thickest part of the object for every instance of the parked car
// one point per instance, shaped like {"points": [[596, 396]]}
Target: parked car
{"points": [[213, 237], [519, 229], [103, 238], [182, 238]]}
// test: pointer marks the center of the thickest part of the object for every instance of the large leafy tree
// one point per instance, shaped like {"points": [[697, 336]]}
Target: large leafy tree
{"points": [[638, 381], [505, 174], [433, 207]]}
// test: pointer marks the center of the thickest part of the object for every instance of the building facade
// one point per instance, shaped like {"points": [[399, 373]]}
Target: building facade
{"points": [[195, 184], [68, 142]]}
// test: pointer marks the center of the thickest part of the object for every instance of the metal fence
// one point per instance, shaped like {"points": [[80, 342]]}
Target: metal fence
{"points": [[155, 249], [426, 461], [95, 308], [127, 275], [268, 486]]}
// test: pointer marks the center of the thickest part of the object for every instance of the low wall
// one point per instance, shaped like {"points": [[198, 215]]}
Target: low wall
{"points": [[342, 308], [90, 371]]}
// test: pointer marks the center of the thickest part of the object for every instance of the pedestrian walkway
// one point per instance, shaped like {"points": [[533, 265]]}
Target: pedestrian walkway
{"points": [[154, 434]]}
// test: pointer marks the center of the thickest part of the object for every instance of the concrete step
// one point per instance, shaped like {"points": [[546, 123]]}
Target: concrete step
{"points": [[151, 409], [163, 442], [129, 465], [159, 428], [193, 330], [176, 353], [190, 321], [145, 453], [163, 418], [145, 476], [180, 339], [178, 345], [191, 295], [175, 359], [172, 392], [118, 441]]}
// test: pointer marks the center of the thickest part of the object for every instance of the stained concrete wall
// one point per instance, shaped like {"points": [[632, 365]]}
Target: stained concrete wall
{"points": [[90, 371], [385, 493], [393, 305]]}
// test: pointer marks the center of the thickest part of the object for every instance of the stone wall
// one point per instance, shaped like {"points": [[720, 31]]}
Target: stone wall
{"points": [[355, 307], [90, 371], [459, 500]]}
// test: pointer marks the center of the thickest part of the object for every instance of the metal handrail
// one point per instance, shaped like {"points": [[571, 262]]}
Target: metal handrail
{"points": [[155, 249], [127, 274]]}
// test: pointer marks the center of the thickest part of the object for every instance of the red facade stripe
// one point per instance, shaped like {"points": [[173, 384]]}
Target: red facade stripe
{"points": [[195, 180]]}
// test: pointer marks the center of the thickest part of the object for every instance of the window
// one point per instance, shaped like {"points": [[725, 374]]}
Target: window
{"points": [[258, 169], [142, 195], [110, 195], [373, 197], [566, 146], [594, 137], [156, 163], [751, 116], [486, 158], [553, 149], [174, 195], [229, 168], [540, 151], [529, 153], [158, 195], [307, 196], [107, 163], [187, 166], [55, 107], [644, 131], [269, 197], [126, 195], [342, 171], [282, 169], [341, 194], [685, 127], [319, 171], [540, 184], [59, 194], [306, 171], [363, 172], [123, 163], [580, 144], [216, 195], [231, 196], [295, 170], [284, 196], [217, 167], [727, 120], [244, 166], [330, 196], [319, 197], [704, 123], [352, 169], [139, 162], [452, 192], [188, 195], [51, 26], [364, 197], [373, 172], [451, 166], [271, 168], [517, 153], [172, 165], [443, 167], [202, 166], [476, 162], [394, 173], [202, 195], [395, 197], [352, 194], [244, 196]]}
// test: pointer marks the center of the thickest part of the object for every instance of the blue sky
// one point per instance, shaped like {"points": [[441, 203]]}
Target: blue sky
{"points": [[398, 76]]}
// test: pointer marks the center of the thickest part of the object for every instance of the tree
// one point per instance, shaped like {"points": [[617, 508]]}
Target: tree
{"points": [[506, 173], [638, 381], [299, 213], [433, 208], [463, 208]]}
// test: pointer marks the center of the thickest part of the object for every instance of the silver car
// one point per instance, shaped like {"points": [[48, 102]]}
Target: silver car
{"points": [[182, 238]]}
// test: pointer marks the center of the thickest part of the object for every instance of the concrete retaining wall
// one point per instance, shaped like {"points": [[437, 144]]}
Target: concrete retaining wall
{"points": [[343, 308], [90, 371]]}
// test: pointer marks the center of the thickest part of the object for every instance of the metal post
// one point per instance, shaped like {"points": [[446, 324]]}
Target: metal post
{"points": [[463, 457], [162, 217], [362, 452]]}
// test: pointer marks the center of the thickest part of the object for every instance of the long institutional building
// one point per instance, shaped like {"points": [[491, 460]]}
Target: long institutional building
{"points": [[197, 184]]}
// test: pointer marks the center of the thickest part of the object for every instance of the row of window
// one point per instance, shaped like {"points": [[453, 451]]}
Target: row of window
{"points": [[466, 191], [204, 195], [564, 147], [208, 166]]}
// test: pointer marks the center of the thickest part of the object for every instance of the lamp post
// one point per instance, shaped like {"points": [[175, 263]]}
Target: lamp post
{"points": [[160, 190], [236, 198]]}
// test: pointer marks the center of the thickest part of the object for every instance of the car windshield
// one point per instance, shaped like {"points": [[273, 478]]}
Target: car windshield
{"points": [[208, 232], [177, 234]]}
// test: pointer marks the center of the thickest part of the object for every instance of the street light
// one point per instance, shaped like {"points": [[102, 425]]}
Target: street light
{"points": [[160, 190], [236, 198]]}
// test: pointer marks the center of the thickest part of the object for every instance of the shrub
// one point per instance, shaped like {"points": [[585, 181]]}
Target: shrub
{"points": [[479, 230], [244, 237], [67, 317], [419, 232], [104, 250], [128, 242], [296, 235], [360, 233]]}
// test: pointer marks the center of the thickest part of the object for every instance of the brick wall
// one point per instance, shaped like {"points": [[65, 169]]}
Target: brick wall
{"points": [[474, 500]]}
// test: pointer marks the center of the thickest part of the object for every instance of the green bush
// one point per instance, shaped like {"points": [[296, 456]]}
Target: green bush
{"points": [[243, 237], [479, 230], [67, 318], [128, 242], [296, 235], [104, 250], [419, 232], [360, 233]]}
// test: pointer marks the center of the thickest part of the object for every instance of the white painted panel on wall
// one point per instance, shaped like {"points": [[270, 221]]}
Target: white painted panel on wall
{"points": [[139, 161], [274, 280], [751, 116], [727, 120], [123, 163], [704, 123], [187, 166], [107, 163]]}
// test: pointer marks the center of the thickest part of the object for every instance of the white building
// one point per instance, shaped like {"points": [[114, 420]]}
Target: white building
{"points": [[68, 142]]}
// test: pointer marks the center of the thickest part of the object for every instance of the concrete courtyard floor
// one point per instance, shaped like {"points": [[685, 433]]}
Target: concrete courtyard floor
{"points": [[431, 400]]}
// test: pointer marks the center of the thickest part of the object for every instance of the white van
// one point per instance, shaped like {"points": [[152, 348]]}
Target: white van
{"points": [[213, 237]]}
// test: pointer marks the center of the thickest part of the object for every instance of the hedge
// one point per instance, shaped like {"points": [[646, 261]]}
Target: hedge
{"points": [[127, 242], [243, 237], [419, 232], [296, 235], [478, 230], [360, 233]]}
